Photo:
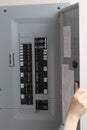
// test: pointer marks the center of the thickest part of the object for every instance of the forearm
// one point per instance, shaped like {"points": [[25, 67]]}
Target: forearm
{"points": [[77, 108], [71, 122]]}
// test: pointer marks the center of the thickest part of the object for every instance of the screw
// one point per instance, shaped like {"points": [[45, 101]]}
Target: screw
{"points": [[5, 10], [58, 7]]}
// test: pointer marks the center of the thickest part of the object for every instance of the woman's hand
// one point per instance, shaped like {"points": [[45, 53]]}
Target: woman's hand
{"points": [[77, 108], [78, 104]]}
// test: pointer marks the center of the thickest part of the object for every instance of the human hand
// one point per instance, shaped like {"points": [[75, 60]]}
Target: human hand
{"points": [[78, 104]]}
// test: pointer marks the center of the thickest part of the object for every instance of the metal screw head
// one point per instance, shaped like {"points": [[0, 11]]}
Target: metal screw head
{"points": [[5, 10], [58, 7]]}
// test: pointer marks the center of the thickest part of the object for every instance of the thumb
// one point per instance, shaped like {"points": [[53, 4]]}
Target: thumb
{"points": [[76, 86]]}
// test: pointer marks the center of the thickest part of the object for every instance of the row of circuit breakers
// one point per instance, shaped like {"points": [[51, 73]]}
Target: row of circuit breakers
{"points": [[26, 74]]}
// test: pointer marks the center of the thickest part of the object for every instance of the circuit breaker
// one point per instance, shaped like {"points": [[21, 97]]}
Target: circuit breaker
{"points": [[39, 65], [26, 74]]}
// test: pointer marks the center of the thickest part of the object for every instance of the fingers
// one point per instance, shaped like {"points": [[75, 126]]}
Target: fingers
{"points": [[78, 104], [84, 95], [80, 91], [81, 97]]}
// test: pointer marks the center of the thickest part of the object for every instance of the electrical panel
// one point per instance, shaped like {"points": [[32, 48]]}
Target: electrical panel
{"points": [[40, 74], [41, 84], [38, 59], [26, 73]]}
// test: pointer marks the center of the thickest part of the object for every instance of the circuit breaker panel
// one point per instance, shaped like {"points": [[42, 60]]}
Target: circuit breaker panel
{"points": [[41, 85], [26, 73], [31, 93], [38, 73]]}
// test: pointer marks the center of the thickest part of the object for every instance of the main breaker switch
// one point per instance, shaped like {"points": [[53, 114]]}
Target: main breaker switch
{"points": [[41, 104]]}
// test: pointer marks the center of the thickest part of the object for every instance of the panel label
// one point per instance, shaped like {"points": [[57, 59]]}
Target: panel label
{"points": [[67, 40]]}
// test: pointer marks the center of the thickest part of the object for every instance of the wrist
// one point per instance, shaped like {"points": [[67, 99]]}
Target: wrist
{"points": [[71, 122], [73, 117]]}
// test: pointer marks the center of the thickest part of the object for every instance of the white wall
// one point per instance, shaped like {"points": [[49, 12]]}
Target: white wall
{"points": [[83, 54], [16, 2]]}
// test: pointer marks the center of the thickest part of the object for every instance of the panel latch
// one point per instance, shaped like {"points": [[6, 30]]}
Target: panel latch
{"points": [[11, 59]]}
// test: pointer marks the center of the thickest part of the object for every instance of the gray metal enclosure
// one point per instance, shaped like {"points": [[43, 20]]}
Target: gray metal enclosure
{"points": [[70, 18], [32, 96], [69, 23]]}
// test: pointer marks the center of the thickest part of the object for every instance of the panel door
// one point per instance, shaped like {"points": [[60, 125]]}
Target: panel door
{"points": [[69, 32]]}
